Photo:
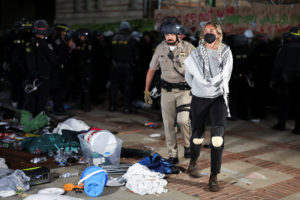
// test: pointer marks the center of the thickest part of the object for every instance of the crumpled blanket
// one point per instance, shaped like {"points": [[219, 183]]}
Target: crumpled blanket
{"points": [[142, 180]]}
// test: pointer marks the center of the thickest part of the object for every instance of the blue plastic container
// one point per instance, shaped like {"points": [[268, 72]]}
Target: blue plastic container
{"points": [[93, 185]]}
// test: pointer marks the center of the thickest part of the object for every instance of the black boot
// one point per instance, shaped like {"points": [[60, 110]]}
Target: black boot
{"points": [[187, 152], [213, 183], [193, 170]]}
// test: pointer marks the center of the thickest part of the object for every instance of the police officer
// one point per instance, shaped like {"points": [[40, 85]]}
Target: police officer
{"points": [[123, 54], [241, 82], [100, 73], [41, 61], [286, 77], [18, 61], [82, 58], [175, 93], [61, 75]]}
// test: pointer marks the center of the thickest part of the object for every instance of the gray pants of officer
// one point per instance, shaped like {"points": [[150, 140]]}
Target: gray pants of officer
{"points": [[169, 102]]}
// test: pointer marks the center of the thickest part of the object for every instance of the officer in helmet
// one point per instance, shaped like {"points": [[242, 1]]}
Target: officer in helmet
{"points": [[175, 93], [286, 80], [82, 61], [18, 61], [123, 53], [61, 75], [241, 82], [100, 73], [41, 63]]}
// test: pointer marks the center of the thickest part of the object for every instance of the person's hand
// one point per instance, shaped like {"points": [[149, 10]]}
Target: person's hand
{"points": [[147, 97]]}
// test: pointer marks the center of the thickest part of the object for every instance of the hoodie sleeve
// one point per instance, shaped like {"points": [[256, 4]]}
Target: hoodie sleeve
{"points": [[188, 74], [227, 67]]}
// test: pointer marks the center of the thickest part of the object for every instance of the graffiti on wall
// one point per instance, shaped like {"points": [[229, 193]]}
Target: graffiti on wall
{"points": [[270, 20]]}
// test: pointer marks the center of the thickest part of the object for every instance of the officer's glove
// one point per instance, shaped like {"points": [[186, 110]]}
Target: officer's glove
{"points": [[147, 97]]}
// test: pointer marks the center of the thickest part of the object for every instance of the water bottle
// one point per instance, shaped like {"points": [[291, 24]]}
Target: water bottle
{"points": [[69, 174], [38, 160]]}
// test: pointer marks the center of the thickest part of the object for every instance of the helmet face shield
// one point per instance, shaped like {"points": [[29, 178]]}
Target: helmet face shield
{"points": [[40, 27], [62, 27], [170, 28], [294, 33]]}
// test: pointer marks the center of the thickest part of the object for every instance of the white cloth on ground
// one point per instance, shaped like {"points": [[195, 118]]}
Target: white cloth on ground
{"points": [[142, 180]]}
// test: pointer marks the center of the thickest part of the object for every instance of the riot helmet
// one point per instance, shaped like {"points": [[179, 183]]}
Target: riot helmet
{"points": [[83, 32], [170, 28], [294, 33], [40, 27], [248, 33], [62, 27], [124, 25], [26, 24]]}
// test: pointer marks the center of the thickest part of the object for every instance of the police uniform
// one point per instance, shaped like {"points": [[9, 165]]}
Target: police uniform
{"points": [[175, 93], [18, 69], [61, 75], [123, 54], [83, 57], [41, 61]]}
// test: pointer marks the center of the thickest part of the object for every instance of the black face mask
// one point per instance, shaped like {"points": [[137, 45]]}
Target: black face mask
{"points": [[210, 38]]}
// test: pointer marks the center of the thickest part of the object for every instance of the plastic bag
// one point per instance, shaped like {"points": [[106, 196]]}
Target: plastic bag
{"points": [[71, 124], [14, 183], [38, 122]]}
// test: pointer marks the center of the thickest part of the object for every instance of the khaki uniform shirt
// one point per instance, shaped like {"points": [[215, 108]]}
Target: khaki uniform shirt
{"points": [[161, 60]]}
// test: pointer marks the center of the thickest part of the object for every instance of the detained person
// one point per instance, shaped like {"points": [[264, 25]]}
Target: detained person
{"points": [[208, 70]]}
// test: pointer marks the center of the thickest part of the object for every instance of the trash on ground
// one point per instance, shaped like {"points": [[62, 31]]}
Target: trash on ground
{"points": [[94, 179], [151, 124], [71, 187], [2, 164], [37, 175], [71, 124], [157, 163], [142, 180], [38, 160], [69, 175], [116, 169], [154, 135], [51, 197], [15, 183], [100, 147], [116, 182], [51, 191]]}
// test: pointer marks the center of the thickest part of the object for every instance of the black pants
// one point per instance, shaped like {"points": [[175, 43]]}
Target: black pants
{"points": [[214, 110], [286, 94], [41, 97], [120, 80]]}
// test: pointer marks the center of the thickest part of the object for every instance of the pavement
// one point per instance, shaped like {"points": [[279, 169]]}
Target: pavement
{"points": [[258, 162]]}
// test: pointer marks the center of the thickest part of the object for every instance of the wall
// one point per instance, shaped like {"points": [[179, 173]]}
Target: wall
{"points": [[97, 11], [263, 19]]}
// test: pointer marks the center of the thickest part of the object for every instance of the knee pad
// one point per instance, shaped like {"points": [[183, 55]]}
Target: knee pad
{"points": [[217, 141], [198, 141]]}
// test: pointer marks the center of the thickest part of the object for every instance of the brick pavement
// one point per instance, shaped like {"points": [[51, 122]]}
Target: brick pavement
{"points": [[250, 149]]}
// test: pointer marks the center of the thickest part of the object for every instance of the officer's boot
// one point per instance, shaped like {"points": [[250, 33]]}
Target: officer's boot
{"points": [[193, 169], [187, 152], [213, 183]]}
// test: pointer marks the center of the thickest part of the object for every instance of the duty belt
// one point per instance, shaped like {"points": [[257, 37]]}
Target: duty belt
{"points": [[169, 86]]}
